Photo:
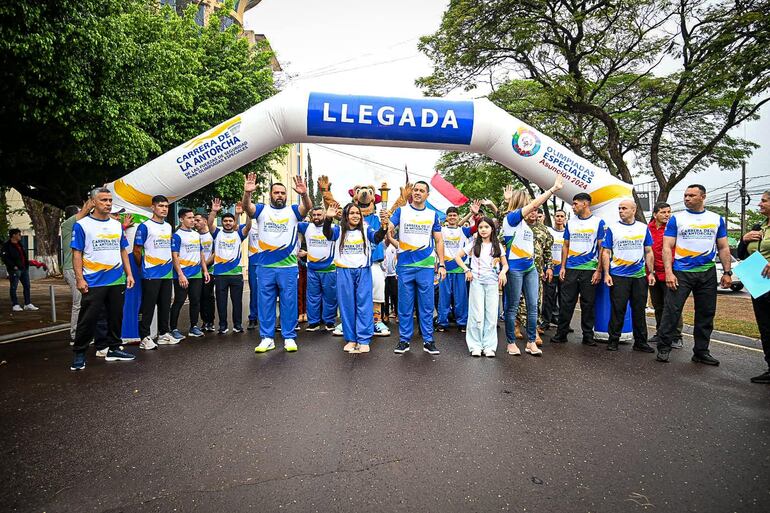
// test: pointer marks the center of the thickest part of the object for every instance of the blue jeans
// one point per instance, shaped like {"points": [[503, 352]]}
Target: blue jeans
{"points": [[22, 276], [529, 281]]}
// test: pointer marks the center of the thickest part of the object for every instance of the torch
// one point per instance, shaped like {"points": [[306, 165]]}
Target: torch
{"points": [[384, 189]]}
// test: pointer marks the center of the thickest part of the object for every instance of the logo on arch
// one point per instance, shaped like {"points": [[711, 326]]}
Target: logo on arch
{"points": [[525, 142]]}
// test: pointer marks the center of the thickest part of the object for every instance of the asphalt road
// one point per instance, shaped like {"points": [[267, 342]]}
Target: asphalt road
{"points": [[209, 426]]}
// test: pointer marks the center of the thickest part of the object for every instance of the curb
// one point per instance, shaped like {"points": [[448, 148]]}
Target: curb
{"points": [[4, 339]]}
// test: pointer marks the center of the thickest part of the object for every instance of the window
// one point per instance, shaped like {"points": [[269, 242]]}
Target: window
{"points": [[170, 3], [200, 16], [227, 21]]}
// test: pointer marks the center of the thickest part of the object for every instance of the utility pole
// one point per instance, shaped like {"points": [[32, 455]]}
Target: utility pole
{"points": [[727, 210], [743, 198]]}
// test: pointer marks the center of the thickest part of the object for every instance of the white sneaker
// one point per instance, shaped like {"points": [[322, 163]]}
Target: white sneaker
{"points": [[17, 308], [290, 345], [476, 352], [148, 344], [30, 307], [337, 330], [489, 353], [102, 353], [267, 344], [167, 339]]}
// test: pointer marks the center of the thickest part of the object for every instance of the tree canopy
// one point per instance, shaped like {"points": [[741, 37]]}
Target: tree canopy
{"points": [[638, 86], [92, 89]]}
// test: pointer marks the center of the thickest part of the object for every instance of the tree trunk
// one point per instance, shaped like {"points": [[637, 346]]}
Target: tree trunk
{"points": [[46, 220]]}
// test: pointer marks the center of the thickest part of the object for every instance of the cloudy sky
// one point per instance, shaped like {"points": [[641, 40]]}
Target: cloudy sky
{"points": [[349, 46]]}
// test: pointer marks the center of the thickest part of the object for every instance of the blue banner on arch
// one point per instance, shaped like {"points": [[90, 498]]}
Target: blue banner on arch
{"points": [[392, 119]]}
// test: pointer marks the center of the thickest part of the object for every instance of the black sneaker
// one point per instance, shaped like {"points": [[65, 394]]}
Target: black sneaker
{"points": [[401, 348], [209, 327], [462, 329], [116, 355], [440, 328], [79, 362], [330, 326], [222, 330], [314, 327], [705, 358], [612, 346], [645, 348], [677, 344], [663, 355], [558, 340], [763, 378], [430, 348], [252, 325], [589, 342], [238, 329]]}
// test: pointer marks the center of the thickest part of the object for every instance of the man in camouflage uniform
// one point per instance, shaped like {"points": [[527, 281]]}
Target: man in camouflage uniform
{"points": [[543, 243]]}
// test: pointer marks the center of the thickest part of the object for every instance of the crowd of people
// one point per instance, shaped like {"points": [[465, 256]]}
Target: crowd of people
{"points": [[457, 270]]}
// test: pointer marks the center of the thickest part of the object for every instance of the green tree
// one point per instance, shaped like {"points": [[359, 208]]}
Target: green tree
{"points": [[648, 85], [92, 89]]}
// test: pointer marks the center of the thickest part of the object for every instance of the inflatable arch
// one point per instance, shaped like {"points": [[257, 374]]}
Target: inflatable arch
{"points": [[295, 116]]}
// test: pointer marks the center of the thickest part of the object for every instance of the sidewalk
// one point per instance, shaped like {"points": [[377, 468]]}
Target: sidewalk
{"points": [[16, 322]]}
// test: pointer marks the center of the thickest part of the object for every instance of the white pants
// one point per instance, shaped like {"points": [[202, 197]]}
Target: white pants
{"points": [[69, 277], [482, 316], [378, 283]]}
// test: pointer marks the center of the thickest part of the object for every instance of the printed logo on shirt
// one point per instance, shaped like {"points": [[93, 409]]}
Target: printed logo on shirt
{"points": [[417, 227], [698, 232], [317, 241], [276, 225], [353, 246], [106, 242]]}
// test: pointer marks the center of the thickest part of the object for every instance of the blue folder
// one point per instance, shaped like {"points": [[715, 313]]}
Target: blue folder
{"points": [[750, 273]]}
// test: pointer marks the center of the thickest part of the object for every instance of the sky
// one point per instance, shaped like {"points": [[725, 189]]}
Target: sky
{"points": [[355, 47]]}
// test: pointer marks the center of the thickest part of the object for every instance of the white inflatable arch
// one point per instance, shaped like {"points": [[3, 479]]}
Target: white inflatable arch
{"points": [[295, 116]]}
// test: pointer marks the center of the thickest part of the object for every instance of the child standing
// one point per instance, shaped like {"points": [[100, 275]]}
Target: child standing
{"points": [[354, 272], [391, 282], [486, 277]]}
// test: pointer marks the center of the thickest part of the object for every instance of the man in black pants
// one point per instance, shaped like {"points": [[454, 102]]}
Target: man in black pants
{"points": [[227, 265], [190, 273], [102, 273], [152, 250], [208, 306], [552, 288], [580, 269], [690, 242], [627, 246]]}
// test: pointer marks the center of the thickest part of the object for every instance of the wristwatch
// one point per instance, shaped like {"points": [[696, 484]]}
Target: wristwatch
{"points": [[728, 273], [441, 265]]}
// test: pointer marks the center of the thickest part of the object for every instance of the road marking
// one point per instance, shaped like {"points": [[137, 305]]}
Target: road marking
{"points": [[736, 345], [66, 328]]}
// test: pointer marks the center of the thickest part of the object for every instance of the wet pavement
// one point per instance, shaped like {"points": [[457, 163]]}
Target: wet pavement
{"points": [[209, 426]]}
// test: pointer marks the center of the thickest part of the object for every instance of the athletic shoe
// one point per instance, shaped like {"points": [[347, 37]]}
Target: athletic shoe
{"points": [[330, 326], [79, 363], [177, 334], [101, 353], [363, 348], [167, 339], [462, 329], [147, 344], [440, 328], [705, 358], [252, 324], [313, 327], [430, 348], [17, 308], [489, 353], [644, 348], [763, 378], [350, 346], [381, 330], [195, 331], [267, 344], [116, 355], [222, 331], [677, 344], [237, 329], [30, 307], [533, 349], [476, 352], [662, 356], [289, 345], [337, 330], [209, 327], [401, 348]]}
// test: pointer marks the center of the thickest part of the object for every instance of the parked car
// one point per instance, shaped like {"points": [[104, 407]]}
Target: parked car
{"points": [[736, 285]]}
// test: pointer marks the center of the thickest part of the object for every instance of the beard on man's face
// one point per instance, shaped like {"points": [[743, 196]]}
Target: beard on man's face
{"points": [[279, 203]]}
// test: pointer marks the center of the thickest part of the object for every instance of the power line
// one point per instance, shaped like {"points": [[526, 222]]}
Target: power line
{"points": [[369, 161]]}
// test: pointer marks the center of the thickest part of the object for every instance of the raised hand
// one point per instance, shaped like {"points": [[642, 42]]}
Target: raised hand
{"points": [[216, 205], [250, 183], [475, 207], [332, 211], [558, 184], [508, 193], [323, 183], [239, 208], [300, 187]]}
